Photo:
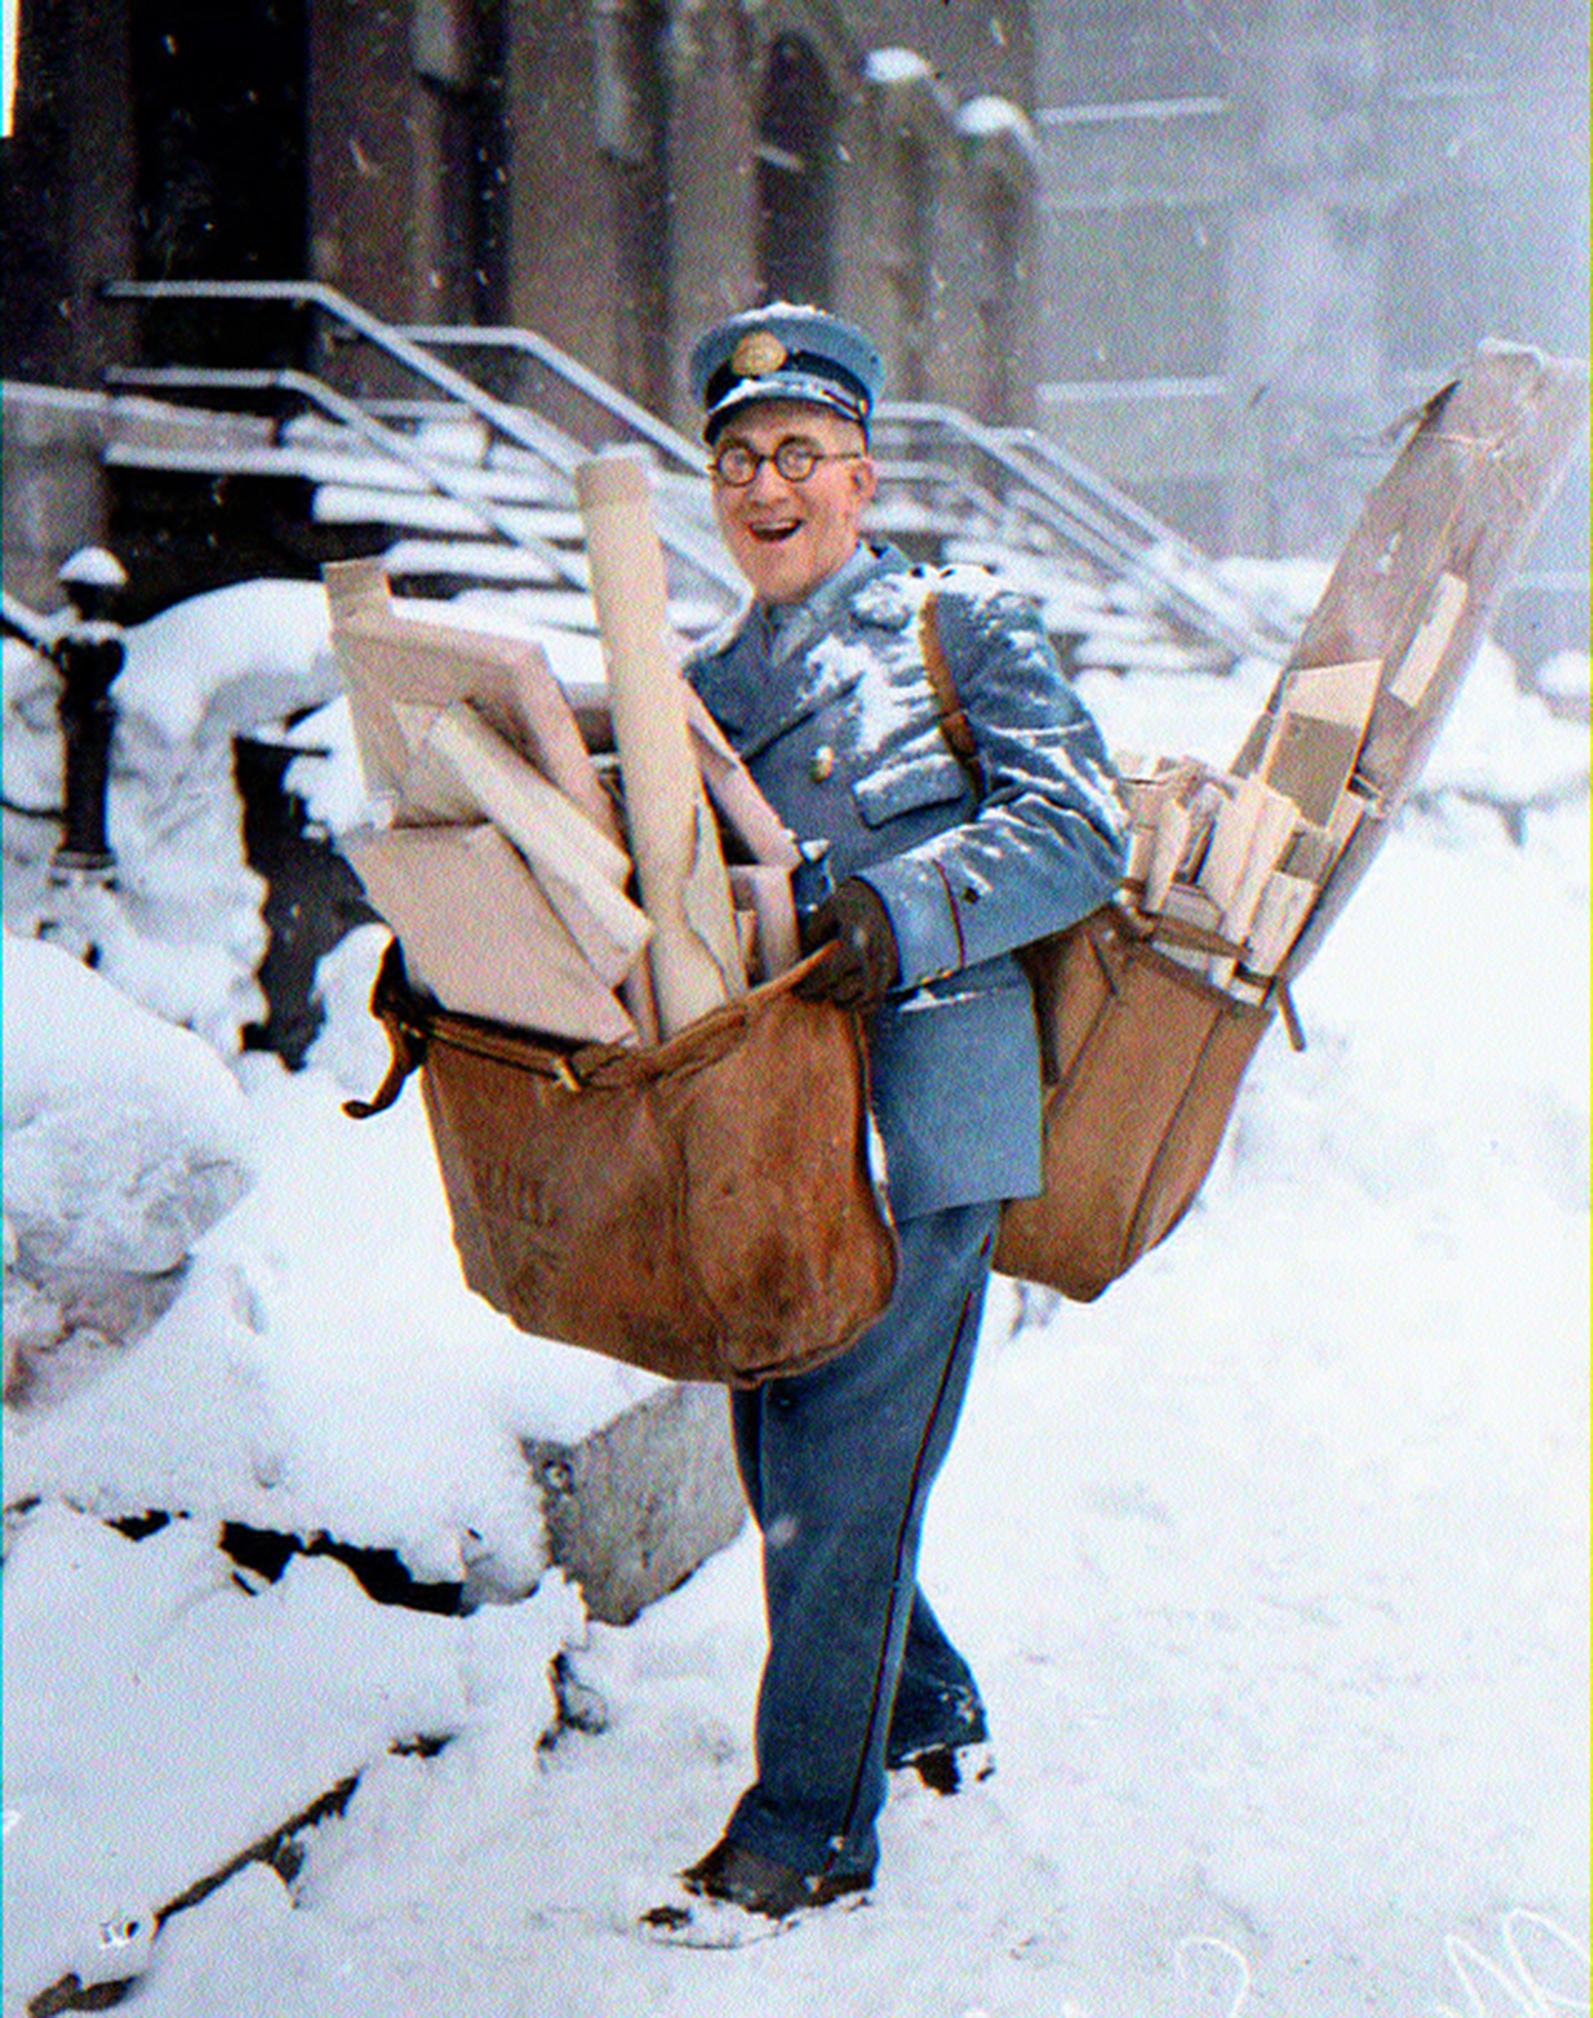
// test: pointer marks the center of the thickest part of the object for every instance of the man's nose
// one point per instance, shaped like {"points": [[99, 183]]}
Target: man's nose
{"points": [[767, 480]]}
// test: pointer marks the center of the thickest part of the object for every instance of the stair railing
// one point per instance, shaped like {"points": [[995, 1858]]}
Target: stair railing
{"points": [[669, 442], [1020, 472], [1276, 624], [512, 424], [388, 441], [1091, 518]]}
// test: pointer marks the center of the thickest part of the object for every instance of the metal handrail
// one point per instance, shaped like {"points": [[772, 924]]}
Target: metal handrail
{"points": [[390, 441], [955, 491], [1071, 504], [1090, 483], [1087, 523], [529, 343], [1080, 532], [1274, 619], [511, 423]]}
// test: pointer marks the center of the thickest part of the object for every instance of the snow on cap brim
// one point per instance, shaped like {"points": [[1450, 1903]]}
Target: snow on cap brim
{"points": [[786, 387]]}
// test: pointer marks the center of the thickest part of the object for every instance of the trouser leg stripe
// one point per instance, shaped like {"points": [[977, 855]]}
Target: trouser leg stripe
{"points": [[891, 1609]]}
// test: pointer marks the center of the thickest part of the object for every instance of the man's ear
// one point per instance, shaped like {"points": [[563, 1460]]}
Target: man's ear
{"points": [[865, 477]]}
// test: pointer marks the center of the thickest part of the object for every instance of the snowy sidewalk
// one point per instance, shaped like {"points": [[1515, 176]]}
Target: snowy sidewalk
{"points": [[1273, 1564]]}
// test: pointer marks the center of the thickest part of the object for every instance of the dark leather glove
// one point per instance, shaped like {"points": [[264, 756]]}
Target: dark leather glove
{"points": [[863, 961]]}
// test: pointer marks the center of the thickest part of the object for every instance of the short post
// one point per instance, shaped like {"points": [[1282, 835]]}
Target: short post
{"points": [[88, 654]]}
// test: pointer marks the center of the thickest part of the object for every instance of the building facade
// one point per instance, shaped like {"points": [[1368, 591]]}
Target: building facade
{"points": [[1271, 227], [612, 173], [1215, 246]]}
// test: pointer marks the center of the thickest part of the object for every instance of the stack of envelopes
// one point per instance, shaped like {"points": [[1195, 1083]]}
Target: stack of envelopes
{"points": [[1243, 871], [504, 869], [1242, 856]]}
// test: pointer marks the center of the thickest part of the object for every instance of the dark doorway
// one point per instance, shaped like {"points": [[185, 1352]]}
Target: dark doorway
{"points": [[796, 203], [219, 101], [313, 898], [459, 61]]}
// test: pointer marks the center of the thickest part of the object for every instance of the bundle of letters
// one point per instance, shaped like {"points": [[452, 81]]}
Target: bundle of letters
{"points": [[507, 868], [1228, 866]]}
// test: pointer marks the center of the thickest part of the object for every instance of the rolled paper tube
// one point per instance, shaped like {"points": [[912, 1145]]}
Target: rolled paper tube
{"points": [[694, 954], [579, 869]]}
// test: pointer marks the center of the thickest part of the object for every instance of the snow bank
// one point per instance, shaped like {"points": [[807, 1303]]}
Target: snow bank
{"points": [[1565, 674], [125, 1137], [1502, 745], [169, 1719], [1497, 744], [31, 745], [222, 663], [326, 1369]]}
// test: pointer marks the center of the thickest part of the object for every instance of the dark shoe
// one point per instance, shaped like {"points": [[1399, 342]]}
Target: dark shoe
{"points": [[946, 1769], [942, 1734], [745, 1877]]}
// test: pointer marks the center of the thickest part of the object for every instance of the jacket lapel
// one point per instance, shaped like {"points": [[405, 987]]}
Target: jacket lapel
{"points": [[755, 703]]}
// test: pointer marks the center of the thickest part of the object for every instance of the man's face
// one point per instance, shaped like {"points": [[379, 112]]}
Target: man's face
{"points": [[788, 537]]}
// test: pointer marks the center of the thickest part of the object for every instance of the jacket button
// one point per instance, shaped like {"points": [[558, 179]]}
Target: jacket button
{"points": [[821, 763]]}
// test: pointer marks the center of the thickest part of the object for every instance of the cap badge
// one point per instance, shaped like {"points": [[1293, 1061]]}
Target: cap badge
{"points": [[759, 352]]}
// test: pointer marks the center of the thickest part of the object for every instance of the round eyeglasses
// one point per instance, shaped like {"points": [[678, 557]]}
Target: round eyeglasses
{"points": [[794, 459]]}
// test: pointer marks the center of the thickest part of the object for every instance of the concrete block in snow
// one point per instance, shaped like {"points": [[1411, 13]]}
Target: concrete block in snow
{"points": [[635, 1506]]}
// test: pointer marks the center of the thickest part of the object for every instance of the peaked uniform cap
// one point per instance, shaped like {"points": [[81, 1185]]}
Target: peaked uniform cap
{"points": [[785, 351]]}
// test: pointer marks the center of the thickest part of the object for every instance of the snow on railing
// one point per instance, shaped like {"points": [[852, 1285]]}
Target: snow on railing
{"points": [[505, 421]]}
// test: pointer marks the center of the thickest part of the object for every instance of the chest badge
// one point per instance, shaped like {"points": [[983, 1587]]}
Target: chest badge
{"points": [[821, 764]]}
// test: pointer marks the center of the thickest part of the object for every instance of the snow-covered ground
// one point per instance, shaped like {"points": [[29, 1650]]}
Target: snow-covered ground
{"points": [[1273, 1562]]}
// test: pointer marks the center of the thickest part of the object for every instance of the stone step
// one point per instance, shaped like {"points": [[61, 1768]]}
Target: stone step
{"points": [[636, 1506]]}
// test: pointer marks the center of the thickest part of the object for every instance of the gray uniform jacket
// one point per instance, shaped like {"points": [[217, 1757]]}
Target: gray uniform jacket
{"points": [[843, 737]]}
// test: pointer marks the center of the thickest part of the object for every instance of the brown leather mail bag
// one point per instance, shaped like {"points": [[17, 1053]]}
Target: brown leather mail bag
{"points": [[701, 1207], [1143, 1057], [1143, 1060]]}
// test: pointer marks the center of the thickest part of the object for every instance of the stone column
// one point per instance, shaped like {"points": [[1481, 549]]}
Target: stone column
{"points": [[1305, 322], [712, 137]]}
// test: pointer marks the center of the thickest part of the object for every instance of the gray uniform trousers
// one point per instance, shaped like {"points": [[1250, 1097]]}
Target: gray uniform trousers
{"points": [[837, 1466]]}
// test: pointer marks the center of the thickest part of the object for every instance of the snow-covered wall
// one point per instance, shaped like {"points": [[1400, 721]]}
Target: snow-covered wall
{"points": [[181, 933], [125, 1139]]}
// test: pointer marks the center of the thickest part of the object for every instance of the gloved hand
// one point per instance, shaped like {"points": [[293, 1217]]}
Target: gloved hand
{"points": [[863, 961]]}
